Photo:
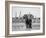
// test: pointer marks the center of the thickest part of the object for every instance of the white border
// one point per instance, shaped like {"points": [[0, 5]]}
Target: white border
{"points": [[23, 32]]}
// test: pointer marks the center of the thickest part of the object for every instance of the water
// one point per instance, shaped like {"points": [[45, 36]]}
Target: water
{"points": [[22, 27]]}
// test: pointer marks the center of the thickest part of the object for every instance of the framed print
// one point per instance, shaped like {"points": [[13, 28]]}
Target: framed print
{"points": [[24, 18]]}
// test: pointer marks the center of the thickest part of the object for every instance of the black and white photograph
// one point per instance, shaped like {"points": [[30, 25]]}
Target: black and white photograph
{"points": [[26, 18]]}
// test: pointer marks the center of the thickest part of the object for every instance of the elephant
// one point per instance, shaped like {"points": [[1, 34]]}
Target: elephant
{"points": [[28, 21]]}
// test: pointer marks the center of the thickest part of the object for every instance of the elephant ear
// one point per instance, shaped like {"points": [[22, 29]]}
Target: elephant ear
{"points": [[31, 16], [25, 16]]}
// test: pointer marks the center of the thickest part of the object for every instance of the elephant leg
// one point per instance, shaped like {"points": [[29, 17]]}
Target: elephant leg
{"points": [[30, 25]]}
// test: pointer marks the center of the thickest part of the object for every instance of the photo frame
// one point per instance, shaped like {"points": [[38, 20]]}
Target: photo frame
{"points": [[12, 27]]}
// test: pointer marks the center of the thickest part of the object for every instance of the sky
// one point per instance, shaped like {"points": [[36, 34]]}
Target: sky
{"points": [[35, 11]]}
